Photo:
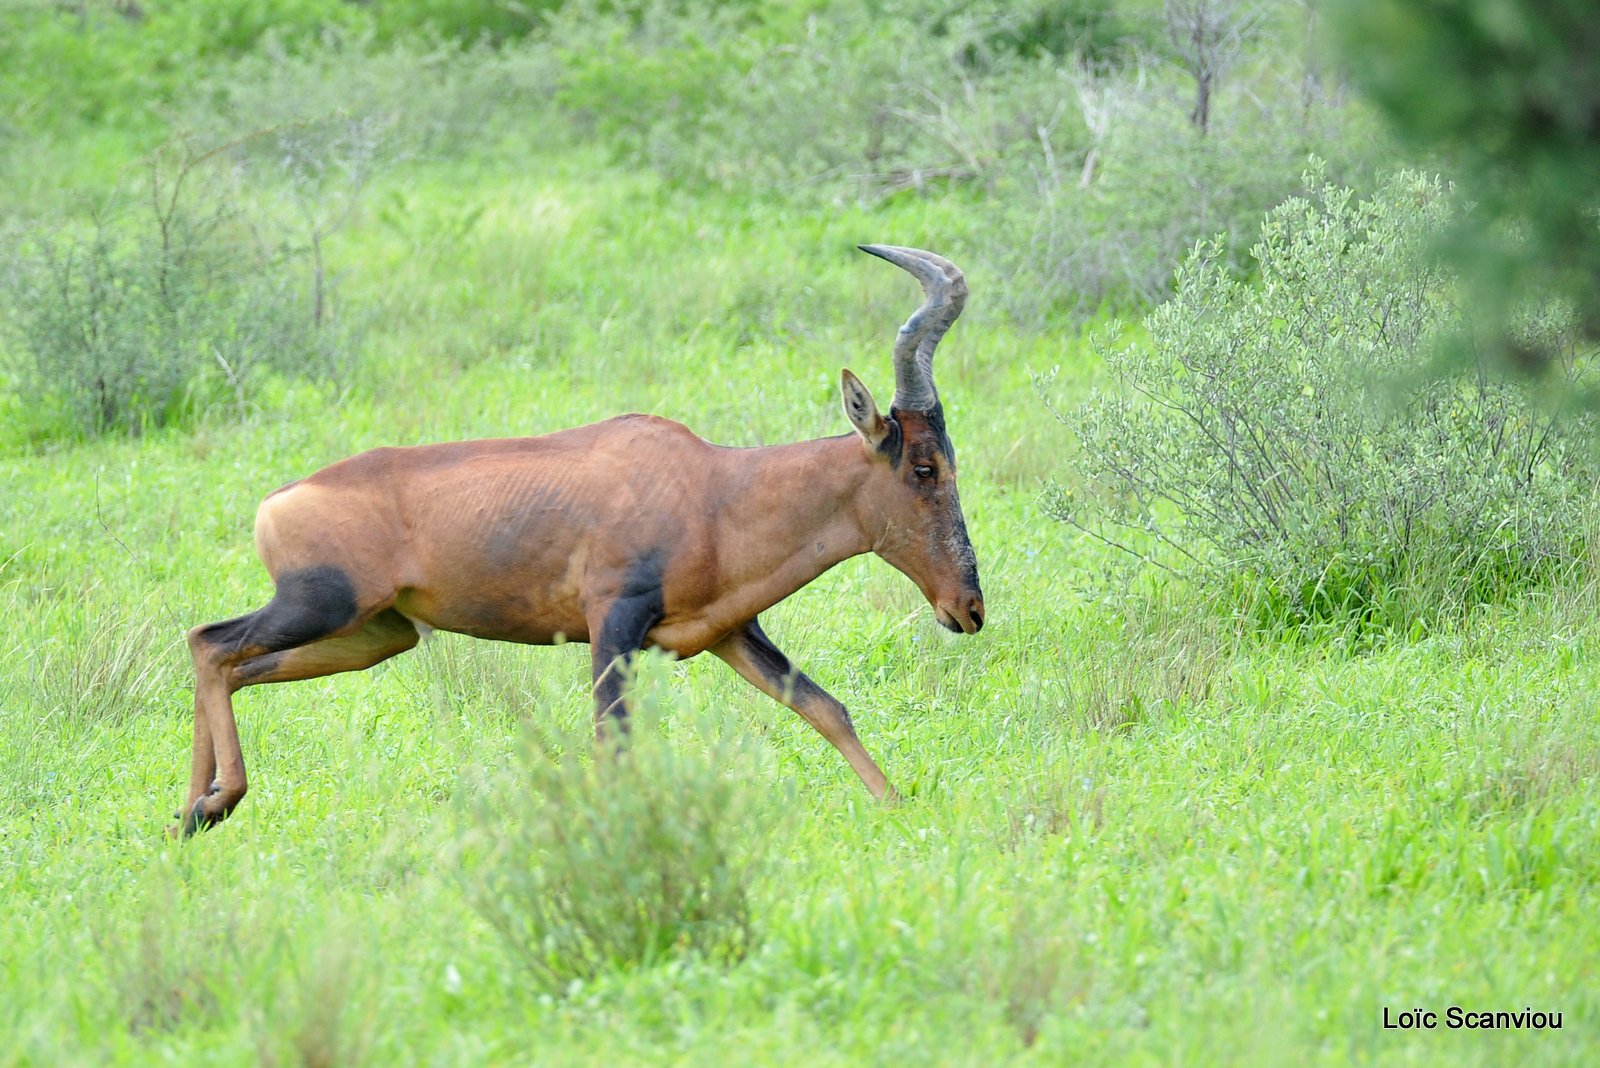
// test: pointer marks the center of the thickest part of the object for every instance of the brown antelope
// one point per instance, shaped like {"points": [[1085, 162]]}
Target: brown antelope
{"points": [[626, 534]]}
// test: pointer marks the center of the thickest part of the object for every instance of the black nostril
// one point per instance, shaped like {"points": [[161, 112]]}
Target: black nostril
{"points": [[977, 619]]}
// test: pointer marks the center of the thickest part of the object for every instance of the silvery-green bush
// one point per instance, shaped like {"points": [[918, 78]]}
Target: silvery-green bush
{"points": [[1290, 434], [588, 862], [159, 306]]}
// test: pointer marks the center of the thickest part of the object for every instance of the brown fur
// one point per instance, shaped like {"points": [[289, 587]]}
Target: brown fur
{"points": [[626, 534]]}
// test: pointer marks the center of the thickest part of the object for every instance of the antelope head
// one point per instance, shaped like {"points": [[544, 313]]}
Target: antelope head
{"points": [[909, 504]]}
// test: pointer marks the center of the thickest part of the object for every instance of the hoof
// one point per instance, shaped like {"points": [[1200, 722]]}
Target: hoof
{"points": [[198, 821], [178, 815]]}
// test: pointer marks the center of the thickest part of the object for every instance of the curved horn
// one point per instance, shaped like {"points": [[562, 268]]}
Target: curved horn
{"points": [[946, 289]]}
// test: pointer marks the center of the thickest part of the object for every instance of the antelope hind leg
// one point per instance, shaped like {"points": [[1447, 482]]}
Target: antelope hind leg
{"points": [[310, 605]]}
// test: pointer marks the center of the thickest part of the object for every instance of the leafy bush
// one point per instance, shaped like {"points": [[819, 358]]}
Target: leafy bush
{"points": [[1105, 219], [392, 102], [1098, 181], [647, 79], [1286, 430], [1068, 114], [1062, 29], [620, 860], [151, 315], [896, 96], [1509, 90], [116, 62]]}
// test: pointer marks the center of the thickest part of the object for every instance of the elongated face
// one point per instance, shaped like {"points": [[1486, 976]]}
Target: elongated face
{"points": [[924, 532], [910, 507]]}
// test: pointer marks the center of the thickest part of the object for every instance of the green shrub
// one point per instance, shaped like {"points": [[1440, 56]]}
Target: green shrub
{"points": [[1061, 29], [1081, 168], [1105, 219], [1283, 435], [594, 863], [354, 102], [154, 311], [58, 65], [116, 62], [1508, 89], [644, 78], [895, 97], [466, 21], [1057, 123]]}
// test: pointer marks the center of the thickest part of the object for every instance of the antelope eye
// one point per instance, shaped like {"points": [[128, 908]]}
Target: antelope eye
{"points": [[923, 471]]}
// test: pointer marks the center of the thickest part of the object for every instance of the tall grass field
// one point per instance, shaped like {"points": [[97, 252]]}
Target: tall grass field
{"points": [[1151, 814]]}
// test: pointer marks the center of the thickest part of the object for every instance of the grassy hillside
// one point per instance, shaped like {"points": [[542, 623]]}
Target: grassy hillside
{"points": [[1137, 827]]}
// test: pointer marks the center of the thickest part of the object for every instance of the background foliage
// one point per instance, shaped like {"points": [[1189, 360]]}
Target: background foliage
{"points": [[1284, 430], [1343, 762], [1509, 93]]}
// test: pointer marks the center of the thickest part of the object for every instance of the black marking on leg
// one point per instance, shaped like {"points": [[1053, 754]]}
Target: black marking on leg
{"points": [[643, 580], [257, 666], [790, 681], [794, 687], [639, 606], [769, 659], [309, 604], [384, 635]]}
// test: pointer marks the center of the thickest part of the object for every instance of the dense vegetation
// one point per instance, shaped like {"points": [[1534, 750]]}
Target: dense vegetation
{"points": [[1292, 721]]}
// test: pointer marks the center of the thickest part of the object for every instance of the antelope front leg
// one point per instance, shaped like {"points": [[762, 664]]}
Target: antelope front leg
{"points": [[763, 665], [618, 632]]}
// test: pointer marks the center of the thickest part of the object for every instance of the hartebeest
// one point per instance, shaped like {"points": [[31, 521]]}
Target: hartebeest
{"points": [[626, 534]]}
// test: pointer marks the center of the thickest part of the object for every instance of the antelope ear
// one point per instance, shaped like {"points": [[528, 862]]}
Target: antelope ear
{"points": [[862, 410]]}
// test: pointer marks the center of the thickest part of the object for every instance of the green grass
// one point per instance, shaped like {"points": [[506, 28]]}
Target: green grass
{"points": [[1134, 832]]}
